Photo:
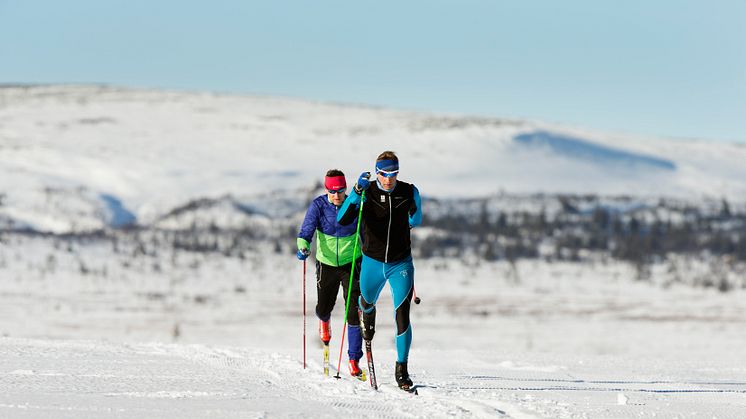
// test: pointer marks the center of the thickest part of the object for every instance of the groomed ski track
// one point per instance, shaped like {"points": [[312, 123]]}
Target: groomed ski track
{"points": [[44, 378], [91, 379]]}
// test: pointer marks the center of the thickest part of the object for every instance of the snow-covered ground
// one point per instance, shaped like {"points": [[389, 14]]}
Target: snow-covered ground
{"points": [[222, 337], [98, 328]]}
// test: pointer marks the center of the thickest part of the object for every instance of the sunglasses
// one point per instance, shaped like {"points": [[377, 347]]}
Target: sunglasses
{"points": [[336, 191], [385, 173]]}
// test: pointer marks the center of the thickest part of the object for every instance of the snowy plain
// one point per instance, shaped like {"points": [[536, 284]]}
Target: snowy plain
{"points": [[492, 340], [91, 333]]}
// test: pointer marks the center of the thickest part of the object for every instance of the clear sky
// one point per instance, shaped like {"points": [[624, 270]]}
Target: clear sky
{"points": [[674, 68]]}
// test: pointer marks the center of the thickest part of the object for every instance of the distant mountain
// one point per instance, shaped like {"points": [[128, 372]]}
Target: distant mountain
{"points": [[81, 157]]}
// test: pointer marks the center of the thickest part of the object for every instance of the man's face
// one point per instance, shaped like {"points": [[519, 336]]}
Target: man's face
{"points": [[336, 197], [387, 182]]}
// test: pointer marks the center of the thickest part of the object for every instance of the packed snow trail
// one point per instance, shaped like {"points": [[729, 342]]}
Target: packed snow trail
{"points": [[89, 379], [44, 378], [568, 341]]}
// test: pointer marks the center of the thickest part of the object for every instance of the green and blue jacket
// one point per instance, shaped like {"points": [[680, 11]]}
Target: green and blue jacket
{"points": [[334, 242]]}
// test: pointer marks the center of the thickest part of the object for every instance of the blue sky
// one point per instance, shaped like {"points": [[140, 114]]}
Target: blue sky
{"points": [[673, 68]]}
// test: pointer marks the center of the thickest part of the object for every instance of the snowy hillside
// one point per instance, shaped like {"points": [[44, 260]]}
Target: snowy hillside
{"points": [[80, 157], [563, 273]]}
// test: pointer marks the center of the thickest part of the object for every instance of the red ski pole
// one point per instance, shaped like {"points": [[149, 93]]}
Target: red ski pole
{"points": [[304, 314]]}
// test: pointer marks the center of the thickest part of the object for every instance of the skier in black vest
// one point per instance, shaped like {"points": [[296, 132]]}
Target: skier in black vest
{"points": [[391, 209]]}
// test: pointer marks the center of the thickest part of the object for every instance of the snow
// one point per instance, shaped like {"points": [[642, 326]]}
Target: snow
{"points": [[223, 339], [98, 327], [67, 153]]}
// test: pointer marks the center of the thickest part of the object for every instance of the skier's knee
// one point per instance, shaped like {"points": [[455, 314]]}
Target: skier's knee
{"points": [[353, 319], [323, 316], [365, 306]]}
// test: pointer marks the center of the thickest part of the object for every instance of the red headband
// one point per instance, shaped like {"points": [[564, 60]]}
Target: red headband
{"points": [[335, 183]]}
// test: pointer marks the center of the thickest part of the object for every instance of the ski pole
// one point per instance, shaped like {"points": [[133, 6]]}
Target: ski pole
{"points": [[349, 287], [416, 298], [304, 314]]}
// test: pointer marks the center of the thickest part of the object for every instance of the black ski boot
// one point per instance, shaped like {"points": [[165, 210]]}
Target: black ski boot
{"points": [[402, 376], [368, 322]]}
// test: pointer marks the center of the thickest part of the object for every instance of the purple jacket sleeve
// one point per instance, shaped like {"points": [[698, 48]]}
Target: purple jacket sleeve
{"points": [[310, 223]]}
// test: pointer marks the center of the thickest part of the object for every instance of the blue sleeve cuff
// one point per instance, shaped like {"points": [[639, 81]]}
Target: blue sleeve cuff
{"points": [[353, 200]]}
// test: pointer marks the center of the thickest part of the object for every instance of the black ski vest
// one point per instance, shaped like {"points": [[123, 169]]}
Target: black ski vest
{"points": [[385, 222]]}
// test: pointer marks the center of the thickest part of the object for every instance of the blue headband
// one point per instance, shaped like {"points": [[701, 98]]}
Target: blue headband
{"points": [[387, 168]]}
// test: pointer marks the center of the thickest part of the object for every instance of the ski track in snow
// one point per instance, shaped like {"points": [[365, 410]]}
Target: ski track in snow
{"points": [[567, 342], [87, 379], [83, 379]]}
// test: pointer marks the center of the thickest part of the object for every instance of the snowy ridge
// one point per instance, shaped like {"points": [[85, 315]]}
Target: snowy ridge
{"points": [[83, 157], [584, 150]]}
